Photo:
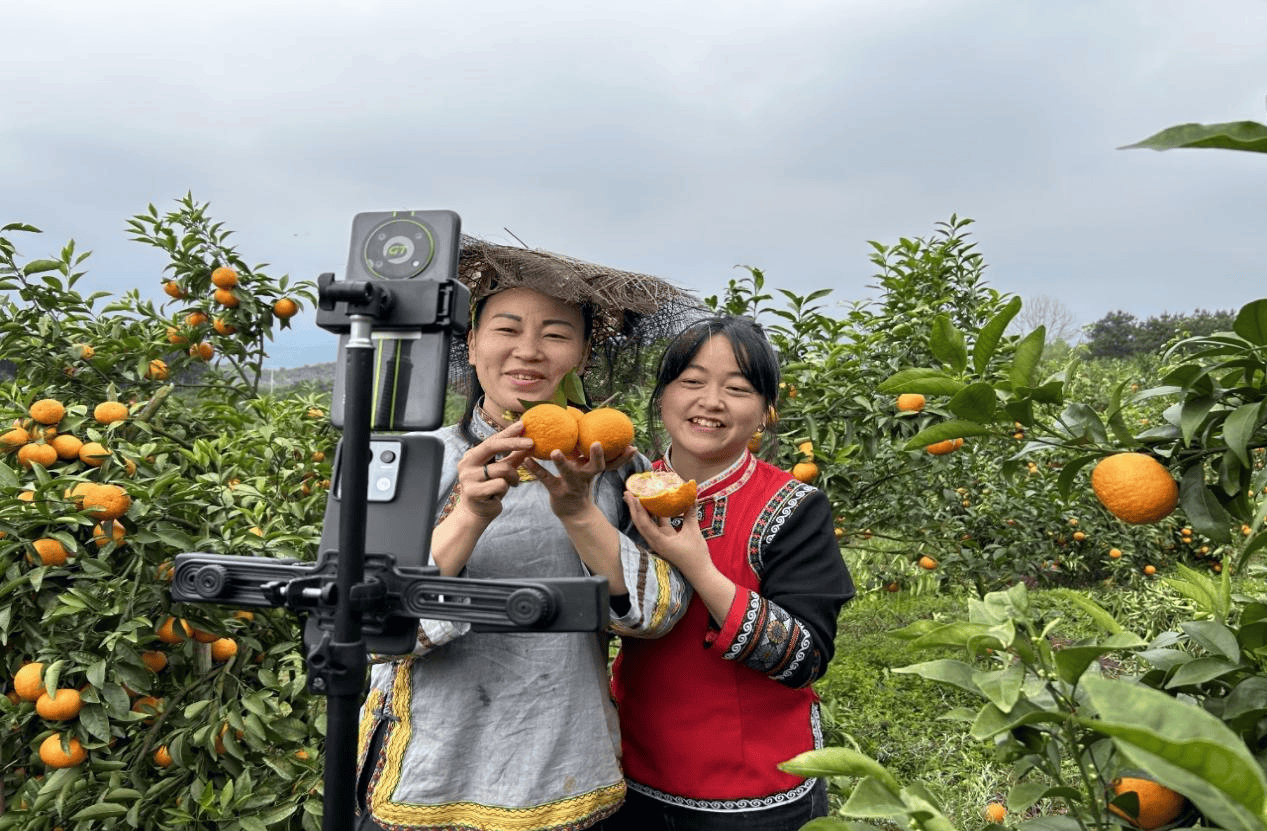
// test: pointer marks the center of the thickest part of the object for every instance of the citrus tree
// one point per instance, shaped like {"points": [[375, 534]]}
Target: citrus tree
{"points": [[134, 432]]}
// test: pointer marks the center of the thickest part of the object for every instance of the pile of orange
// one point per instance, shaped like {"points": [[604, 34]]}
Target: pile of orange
{"points": [[568, 430]]}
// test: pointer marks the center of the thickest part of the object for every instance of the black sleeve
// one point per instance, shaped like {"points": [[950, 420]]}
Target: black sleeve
{"points": [[804, 584]]}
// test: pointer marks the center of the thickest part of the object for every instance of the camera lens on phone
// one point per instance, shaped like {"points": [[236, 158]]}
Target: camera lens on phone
{"points": [[387, 456]]}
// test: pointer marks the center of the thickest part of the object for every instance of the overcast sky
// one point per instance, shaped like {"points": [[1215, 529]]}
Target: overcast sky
{"points": [[679, 139]]}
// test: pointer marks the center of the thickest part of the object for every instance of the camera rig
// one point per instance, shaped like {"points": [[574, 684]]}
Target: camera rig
{"points": [[370, 583]]}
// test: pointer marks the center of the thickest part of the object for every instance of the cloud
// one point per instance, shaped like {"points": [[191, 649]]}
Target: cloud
{"points": [[680, 139]]}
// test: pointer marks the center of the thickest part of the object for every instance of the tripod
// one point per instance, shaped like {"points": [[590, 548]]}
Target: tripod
{"points": [[356, 601]]}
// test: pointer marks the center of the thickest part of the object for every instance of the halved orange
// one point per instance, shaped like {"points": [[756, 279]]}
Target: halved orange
{"points": [[662, 492]]}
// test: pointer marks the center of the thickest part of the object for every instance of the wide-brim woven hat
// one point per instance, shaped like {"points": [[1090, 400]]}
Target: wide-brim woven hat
{"points": [[631, 311]]}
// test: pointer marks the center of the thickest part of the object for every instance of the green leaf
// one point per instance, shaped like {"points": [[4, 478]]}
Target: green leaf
{"points": [[1249, 136], [1199, 671], [944, 671], [1202, 507], [953, 429], [40, 266], [1184, 748], [1192, 414], [840, 761], [1214, 637], [101, 810], [1069, 472], [1101, 616], [1251, 322], [1238, 429], [947, 344], [975, 402], [1029, 352], [925, 381], [872, 799], [988, 338]]}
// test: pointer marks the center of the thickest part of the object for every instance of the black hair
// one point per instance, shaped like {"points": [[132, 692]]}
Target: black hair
{"points": [[757, 360], [475, 391]]}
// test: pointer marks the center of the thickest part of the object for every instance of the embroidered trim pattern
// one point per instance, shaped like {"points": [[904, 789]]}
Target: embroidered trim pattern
{"points": [[727, 805], [773, 516]]}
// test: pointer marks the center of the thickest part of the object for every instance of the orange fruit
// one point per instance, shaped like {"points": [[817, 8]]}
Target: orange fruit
{"points": [[243, 614], [1079, 536], [101, 538], [910, 402], [78, 492], [52, 754], [995, 812], [195, 319], [609, 427], [155, 659], [52, 552], [157, 371], [928, 563], [941, 448], [107, 502], [175, 337], [224, 277], [285, 308], [14, 438], [551, 428], [226, 298], [222, 327], [662, 492], [85, 351], [1150, 570], [42, 454], [222, 649], [163, 757], [28, 681], [93, 453], [202, 351], [1158, 805], [108, 412], [754, 441], [173, 290], [805, 471], [60, 705], [167, 632], [1115, 553], [148, 705], [47, 411], [1135, 487], [204, 637]]}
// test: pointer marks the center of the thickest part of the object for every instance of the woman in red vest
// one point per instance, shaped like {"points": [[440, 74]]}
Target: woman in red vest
{"points": [[708, 711]]}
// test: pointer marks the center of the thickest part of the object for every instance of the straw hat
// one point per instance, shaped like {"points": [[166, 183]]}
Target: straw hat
{"points": [[630, 310]]}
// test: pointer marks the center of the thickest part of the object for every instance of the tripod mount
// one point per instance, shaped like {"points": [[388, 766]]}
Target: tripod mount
{"points": [[371, 582]]}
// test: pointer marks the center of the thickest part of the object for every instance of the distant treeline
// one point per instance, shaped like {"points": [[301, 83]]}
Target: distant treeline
{"points": [[1120, 334]]}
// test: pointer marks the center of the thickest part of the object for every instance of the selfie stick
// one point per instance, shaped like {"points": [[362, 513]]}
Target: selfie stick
{"points": [[349, 615]]}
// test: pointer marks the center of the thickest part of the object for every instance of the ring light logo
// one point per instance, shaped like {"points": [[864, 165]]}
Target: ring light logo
{"points": [[398, 249]]}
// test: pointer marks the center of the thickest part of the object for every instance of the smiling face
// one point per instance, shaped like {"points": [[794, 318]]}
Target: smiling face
{"points": [[710, 411], [523, 345]]}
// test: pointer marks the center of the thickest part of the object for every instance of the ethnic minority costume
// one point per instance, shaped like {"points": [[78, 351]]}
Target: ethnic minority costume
{"points": [[511, 730], [707, 714]]}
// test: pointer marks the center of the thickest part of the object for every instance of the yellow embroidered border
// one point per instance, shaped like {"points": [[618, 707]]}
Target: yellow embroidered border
{"points": [[659, 614], [564, 813]]}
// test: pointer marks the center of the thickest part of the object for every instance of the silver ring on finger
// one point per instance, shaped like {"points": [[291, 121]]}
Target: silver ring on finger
{"points": [[486, 474]]}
